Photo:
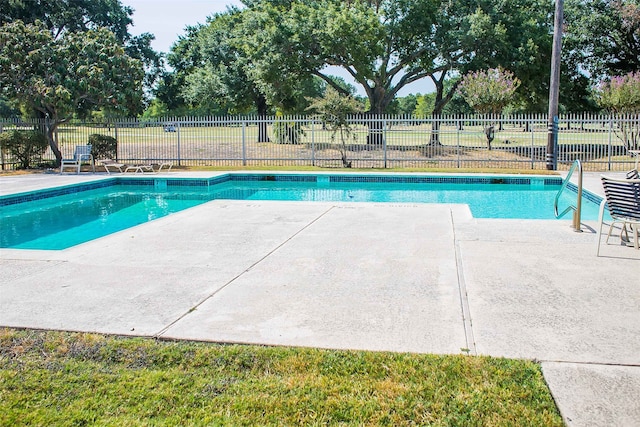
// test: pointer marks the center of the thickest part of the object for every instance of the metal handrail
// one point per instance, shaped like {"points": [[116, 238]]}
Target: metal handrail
{"points": [[577, 208]]}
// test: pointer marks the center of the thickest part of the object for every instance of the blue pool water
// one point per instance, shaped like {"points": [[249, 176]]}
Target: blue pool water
{"points": [[68, 220], [58, 219]]}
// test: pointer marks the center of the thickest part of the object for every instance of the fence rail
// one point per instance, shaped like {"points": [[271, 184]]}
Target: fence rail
{"points": [[601, 143]]}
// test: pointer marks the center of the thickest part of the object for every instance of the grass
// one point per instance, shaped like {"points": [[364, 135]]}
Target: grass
{"points": [[399, 135], [406, 144], [59, 378], [300, 168]]}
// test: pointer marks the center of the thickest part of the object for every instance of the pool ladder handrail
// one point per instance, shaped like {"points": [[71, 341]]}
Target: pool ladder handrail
{"points": [[577, 208]]}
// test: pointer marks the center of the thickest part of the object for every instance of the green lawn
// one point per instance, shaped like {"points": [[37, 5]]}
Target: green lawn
{"points": [[56, 378], [406, 144], [396, 135]]}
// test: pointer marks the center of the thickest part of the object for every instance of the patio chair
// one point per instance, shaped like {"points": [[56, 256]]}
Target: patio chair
{"points": [[160, 166], [139, 168], [81, 154], [622, 197], [112, 164], [150, 167]]}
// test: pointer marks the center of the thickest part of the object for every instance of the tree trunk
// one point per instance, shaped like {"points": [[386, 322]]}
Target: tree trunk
{"points": [[53, 144], [440, 102], [379, 103], [375, 136], [48, 128], [436, 114], [435, 130], [263, 109]]}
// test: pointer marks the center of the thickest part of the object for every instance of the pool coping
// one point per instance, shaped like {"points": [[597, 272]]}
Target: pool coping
{"points": [[168, 181]]}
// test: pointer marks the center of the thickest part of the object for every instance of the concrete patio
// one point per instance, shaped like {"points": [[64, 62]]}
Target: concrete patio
{"points": [[393, 277]]}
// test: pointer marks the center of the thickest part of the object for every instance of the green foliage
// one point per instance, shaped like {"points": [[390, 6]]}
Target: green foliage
{"points": [[385, 45], [7, 109], [334, 110], [287, 132], [603, 36], [456, 106], [488, 92], [288, 41], [215, 68], [213, 71], [621, 95], [53, 378], [424, 105], [103, 146], [25, 146], [514, 35], [64, 16], [70, 15], [212, 68], [73, 74], [155, 109], [404, 105]]}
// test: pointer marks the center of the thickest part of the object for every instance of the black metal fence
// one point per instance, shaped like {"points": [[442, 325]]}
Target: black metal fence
{"points": [[602, 143]]}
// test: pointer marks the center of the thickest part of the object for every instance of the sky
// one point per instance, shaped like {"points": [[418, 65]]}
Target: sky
{"points": [[167, 20]]}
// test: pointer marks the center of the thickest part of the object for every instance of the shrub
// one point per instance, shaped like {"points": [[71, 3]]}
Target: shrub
{"points": [[334, 110], [621, 95], [24, 146], [489, 91], [103, 146], [287, 132]]}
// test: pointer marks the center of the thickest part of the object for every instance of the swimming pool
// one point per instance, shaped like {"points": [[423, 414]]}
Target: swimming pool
{"points": [[62, 217]]}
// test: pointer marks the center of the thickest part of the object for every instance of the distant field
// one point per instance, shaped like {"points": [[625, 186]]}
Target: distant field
{"points": [[395, 135], [517, 144]]}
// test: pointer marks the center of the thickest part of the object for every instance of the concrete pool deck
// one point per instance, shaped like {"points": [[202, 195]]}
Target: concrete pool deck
{"points": [[392, 277]]}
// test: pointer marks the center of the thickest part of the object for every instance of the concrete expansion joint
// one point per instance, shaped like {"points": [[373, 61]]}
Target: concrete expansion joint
{"points": [[246, 270], [462, 291], [572, 362]]}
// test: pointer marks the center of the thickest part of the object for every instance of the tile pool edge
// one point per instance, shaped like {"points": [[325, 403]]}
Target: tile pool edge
{"points": [[320, 178], [28, 196]]}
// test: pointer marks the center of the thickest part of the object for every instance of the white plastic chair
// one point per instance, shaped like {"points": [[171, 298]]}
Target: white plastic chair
{"points": [[81, 154]]}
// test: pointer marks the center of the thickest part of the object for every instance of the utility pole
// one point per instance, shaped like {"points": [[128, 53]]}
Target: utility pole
{"points": [[554, 88]]}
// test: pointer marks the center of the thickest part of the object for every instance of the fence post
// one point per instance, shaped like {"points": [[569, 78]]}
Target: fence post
{"points": [[178, 132], [531, 125], [1, 149], [115, 135], [244, 141], [552, 143], [313, 142], [458, 132], [610, 142], [384, 141]]}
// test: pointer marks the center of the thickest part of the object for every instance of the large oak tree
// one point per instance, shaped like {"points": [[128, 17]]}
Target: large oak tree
{"points": [[387, 44], [75, 72], [63, 16], [211, 65], [603, 36]]}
